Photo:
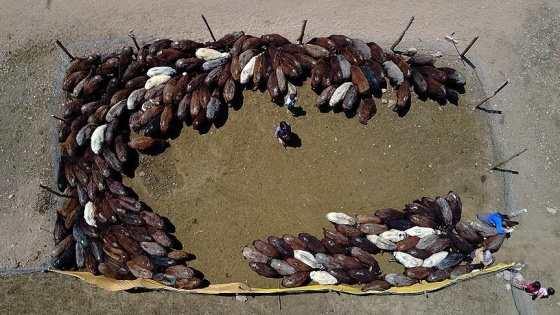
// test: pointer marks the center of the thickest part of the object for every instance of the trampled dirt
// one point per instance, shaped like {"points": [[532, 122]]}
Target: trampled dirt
{"points": [[518, 41], [236, 183]]}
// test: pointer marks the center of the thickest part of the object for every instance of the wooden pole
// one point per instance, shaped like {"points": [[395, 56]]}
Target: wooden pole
{"points": [[56, 193], [457, 49], [402, 34], [20, 271], [468, 47], [493, 94], [131, 35], [300, 38], [501, 87], [483, 101], [453, 41], [208, 27], [65, 50], [509, 159], [50, 232], [279, 300], [64, 121]]}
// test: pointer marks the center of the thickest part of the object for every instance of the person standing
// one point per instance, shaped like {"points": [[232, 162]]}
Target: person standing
{"points": [[283, 132], [291, 100]]}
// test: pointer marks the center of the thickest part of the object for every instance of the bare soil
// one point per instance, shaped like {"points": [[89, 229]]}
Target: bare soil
{"points": [[235, 183], [225, 188]]}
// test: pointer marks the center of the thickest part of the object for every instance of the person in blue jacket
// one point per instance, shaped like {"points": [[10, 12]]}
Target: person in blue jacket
{"points": [[496, 220], [291, 100]]}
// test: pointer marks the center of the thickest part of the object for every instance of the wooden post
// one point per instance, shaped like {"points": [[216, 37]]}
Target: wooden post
{"points": [[483, 101], [402, 34], [131, 35], [509, 159], [279, 301], [300, 38], [500, 88], [65, 50], [493, 94], [468, 47], [56, 193], [453, 41], [50, 232], [64, 121], [208, 27], [21, 271], [457, 49]]}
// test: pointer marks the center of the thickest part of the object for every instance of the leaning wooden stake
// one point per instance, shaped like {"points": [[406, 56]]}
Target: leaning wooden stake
{"points": [[300, 38], [208, 27], [56, 193], [468, 47], [65, 50], [454, 42], [493, 94], [50, 232], [131, 35], [279, 300], [402, 34], [61, 119], [20, 271], [511, 158]]}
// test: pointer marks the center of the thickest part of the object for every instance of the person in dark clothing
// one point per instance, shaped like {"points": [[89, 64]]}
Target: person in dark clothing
{"points": [[283, 132]]}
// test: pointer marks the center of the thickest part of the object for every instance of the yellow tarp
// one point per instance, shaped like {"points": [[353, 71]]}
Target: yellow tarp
{"points": [[240, 288]]}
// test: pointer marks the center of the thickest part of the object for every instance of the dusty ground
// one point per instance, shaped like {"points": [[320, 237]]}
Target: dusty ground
{"points": [[517, 42], [226, 188]]}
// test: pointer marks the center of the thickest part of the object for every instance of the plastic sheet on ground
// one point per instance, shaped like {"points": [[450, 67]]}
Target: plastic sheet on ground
{"points": [[240, 288]]}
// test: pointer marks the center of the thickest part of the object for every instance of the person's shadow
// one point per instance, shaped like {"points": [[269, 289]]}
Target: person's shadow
{"points": [[294, 142], [298, 111]]}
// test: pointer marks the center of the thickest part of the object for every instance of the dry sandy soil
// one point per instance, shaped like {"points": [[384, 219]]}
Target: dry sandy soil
{"points": [[351, 168]]}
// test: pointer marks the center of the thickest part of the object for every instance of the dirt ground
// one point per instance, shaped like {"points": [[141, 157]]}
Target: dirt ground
{"points": [[341, 164], [226, 188]]}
